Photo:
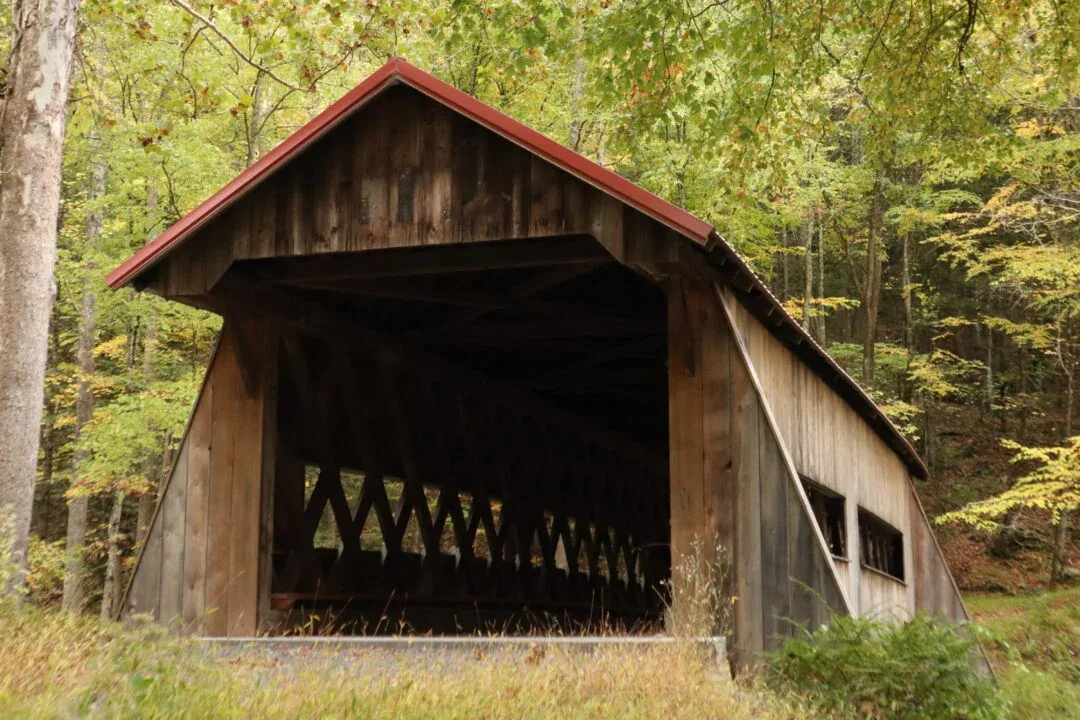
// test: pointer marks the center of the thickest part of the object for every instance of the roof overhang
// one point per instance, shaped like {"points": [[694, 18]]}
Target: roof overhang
{"points": [[399, 71]]}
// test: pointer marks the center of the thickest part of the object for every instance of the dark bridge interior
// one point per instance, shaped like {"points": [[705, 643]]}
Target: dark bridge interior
{"points": [[469, 437]]}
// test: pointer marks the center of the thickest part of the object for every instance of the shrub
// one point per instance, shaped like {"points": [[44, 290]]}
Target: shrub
{"points": [[45, 563], [869, 668]]}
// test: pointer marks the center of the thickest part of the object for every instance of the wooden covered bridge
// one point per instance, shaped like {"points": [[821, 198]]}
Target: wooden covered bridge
{"points": [[469, 379]]}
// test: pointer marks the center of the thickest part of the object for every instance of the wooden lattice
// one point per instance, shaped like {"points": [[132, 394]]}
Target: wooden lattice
{"points": [[451, 499]]}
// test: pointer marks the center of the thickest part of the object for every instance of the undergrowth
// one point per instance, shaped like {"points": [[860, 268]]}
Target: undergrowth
{"points": [[1034, 642], [870, 668]]}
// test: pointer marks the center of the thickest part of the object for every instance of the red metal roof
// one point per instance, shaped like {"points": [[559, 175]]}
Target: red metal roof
{"points": [[395, 71]]}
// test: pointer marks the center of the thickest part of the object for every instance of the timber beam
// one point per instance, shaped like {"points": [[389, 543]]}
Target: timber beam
{"points": [[317, 270]]}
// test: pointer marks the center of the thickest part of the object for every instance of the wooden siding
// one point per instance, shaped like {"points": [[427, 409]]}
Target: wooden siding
{"points": [[405, 171], [733, 485], [832, 445], [199, 568]]}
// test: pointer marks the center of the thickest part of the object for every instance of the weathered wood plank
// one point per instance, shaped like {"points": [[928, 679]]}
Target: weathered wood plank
{"points": [[268, 470], [686, 450], [245, 496], [173, 514], [774, 567], [197, 512], [226, 381], [719, 490], [749, 627], [154, 553]]}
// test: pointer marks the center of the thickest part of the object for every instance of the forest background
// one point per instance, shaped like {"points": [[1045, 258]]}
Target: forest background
{"points": [[904, 174]]}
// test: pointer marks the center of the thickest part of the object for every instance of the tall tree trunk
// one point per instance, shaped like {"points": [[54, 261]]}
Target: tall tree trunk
{"points": [[577, 102], [784, 263], [112, 565], [1021, 431], [808, 276], [872, 291], [32, 125], [84, 397], [148, 499], [909, 331], [43, 505], [821, 280], [1061, 531], [260, 109]]}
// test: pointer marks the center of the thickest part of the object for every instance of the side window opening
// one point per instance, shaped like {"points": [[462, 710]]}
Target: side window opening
{"points": [[881, 546], [828, 508]]}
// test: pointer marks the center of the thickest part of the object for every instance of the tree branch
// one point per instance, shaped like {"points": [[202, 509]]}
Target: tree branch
{"points": [[209, 24]]}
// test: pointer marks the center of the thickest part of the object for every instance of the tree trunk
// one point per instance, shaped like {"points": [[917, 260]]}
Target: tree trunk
{"points": [[808, 276], [84, 398], [148, 499], [577, 101], [821, 281], [32, 138], [872, 291], [43, 505], [112, 565], [1021, 431], [784, 261], [260, 110], [909, 331], [1061, 531]]}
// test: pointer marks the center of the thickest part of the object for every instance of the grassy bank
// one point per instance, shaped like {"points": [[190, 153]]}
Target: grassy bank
{"points": [[1034, 642], [57, 666]]}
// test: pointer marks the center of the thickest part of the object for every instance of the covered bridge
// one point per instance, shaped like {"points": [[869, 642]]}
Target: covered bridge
{"points": [[469, 379]]}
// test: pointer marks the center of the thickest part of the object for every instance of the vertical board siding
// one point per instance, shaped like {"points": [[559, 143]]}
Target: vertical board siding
{"points": [[142, 594], [832, 445], [403, 171], [173, 514], [198, 504], [199, 569], [732, 485], [246, 497], [226, 382]]}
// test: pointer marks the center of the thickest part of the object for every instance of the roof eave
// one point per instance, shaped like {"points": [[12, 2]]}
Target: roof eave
{"points": [[399, 71], [845, 385]]}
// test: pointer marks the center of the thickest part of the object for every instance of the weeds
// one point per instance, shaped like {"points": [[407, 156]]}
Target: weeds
{"points": [[869, 668], [52, 664]]}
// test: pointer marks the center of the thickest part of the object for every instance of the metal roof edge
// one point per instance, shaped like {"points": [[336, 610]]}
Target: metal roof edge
{"points": [[855, 396]]}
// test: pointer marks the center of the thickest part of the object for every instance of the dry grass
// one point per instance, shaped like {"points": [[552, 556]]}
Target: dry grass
{"points": [[53, 665]]}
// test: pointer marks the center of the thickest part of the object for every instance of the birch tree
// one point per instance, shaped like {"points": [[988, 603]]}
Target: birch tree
{"points": [[32, 123]]}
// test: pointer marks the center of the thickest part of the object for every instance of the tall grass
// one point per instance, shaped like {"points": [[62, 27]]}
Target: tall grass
{"points": [[1034, 641], [57, 665]]}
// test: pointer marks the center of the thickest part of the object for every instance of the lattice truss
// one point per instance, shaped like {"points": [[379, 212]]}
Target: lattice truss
{"points": [[388, 485]]}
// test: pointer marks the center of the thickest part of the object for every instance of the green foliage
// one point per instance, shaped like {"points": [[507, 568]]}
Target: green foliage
{"points": [[1034, 642], [45, 563], [859, 667], [1040, 695], [1053, 484]]}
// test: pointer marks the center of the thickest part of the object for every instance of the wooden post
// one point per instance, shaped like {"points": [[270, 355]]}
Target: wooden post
{"points": [[268, 379], [701, 484]]}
